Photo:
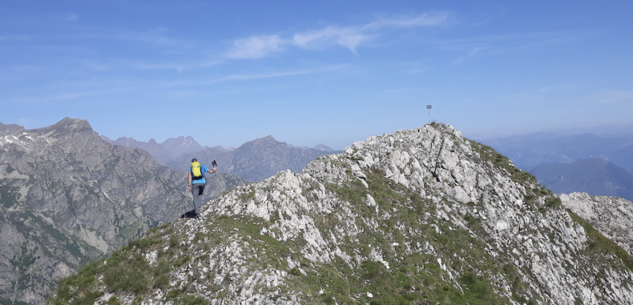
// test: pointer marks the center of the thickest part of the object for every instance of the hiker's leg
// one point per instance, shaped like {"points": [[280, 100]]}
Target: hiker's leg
{"points": [[197, 196], [199, 202], [193, 194]]}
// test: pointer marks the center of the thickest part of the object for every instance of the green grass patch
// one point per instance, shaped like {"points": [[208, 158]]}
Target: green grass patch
{"points": [[599, 242], [487, 153], [353, 192]]}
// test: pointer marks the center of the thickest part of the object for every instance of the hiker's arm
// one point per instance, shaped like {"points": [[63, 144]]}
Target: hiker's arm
{"points": [[189, 181], [212, 171]]}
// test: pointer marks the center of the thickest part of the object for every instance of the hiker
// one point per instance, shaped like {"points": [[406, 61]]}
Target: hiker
{"points": [[196, 175]]}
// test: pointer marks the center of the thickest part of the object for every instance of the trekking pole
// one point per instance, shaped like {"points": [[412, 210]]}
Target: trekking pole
{"points": [[215, 165]]}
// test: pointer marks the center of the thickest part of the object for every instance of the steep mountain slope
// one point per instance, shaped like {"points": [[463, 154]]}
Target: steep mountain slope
{"points": [[594, 176], [67, 197], [611, 216], [421, 216], [255, 160]]}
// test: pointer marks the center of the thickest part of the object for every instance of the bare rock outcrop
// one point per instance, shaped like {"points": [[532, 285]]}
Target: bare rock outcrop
{"points": [[611, 216]]}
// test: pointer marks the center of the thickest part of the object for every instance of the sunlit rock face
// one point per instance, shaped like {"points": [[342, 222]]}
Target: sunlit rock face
{"points": [[420, 216]]}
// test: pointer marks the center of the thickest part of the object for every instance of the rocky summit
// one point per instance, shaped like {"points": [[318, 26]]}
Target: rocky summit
{"points": [[67, 198], [420, 216]]}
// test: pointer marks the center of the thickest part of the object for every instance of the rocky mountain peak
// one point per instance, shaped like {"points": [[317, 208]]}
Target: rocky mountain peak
{"points": [[266, 139], [9, 128], [420, 216], [181, 145], [261, 143], [68, 125]]}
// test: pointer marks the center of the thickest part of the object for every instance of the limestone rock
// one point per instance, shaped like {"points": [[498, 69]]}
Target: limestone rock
{"points": [[612, 216]]}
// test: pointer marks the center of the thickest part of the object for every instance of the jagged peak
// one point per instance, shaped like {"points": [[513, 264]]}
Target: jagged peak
{"points": [[181, 140], [10, 128]]}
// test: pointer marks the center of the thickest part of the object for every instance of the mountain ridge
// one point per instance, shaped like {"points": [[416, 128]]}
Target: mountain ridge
{"points": [[254, 160], [420, 216]]}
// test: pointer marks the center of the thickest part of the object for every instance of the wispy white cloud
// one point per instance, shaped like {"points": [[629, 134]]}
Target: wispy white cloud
{"points": [[255, 47], [348, 37], [238, 77], [257, 76], [502, 43], [70, 17], [181, 66], [52, 98], [472, 53], [73, 93], [615, 96], [157, 36], [416, 71], [424, 19], [13, 38]]}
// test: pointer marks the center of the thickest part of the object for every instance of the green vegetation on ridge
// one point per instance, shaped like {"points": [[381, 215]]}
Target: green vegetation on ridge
{"points": [[404, 252]]}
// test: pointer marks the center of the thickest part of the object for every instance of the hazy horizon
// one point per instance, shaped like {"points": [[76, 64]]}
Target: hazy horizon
{"points": [[606, 131]]}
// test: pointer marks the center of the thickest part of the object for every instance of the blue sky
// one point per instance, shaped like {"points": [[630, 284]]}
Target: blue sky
{"points": [[312, 72]]}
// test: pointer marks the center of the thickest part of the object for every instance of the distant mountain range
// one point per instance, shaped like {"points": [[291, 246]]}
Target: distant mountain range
{"points": [[67, 198], [169, 149], [255, 160], [594, 176], [623, 157], [533, 149], [589, 163]]}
